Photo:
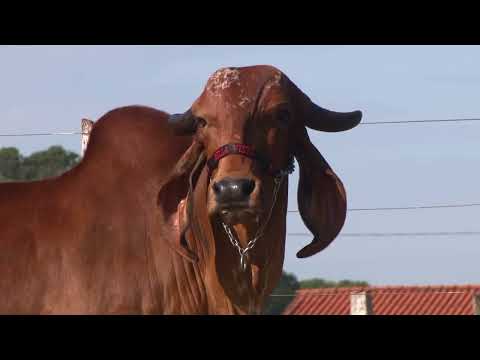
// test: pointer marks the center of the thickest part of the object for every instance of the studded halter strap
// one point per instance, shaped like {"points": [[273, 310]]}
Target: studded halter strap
{"points": [[247, 151]]}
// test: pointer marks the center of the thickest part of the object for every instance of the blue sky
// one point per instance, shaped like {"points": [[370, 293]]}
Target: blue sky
{"points": [[50, 88]]}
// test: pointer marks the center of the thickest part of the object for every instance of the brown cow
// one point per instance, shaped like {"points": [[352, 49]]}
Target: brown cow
{"points": [[182, 214]]}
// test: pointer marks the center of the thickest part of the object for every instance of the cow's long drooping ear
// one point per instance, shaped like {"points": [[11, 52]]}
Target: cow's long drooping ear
{"points": [[322, 200], [321, 196], [175, 197]]}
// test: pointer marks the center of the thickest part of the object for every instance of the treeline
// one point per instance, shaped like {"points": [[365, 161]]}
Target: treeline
{"points": [[39, 165], [56, 160]]}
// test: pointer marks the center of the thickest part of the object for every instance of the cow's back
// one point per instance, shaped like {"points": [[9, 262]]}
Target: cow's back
{"points": [[76, 243], [32, 217]]}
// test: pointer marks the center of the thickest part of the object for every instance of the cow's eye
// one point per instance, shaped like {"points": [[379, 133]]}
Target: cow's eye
{"points": [[201, 122]]}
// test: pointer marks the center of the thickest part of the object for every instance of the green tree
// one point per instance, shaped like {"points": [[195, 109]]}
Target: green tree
{"points": [[49, 163], [316, 283], [40, 165], [287, 285], [10, 164]]}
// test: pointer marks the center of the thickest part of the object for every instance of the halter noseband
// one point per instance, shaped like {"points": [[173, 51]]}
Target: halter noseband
{"points": [[250, 152]]}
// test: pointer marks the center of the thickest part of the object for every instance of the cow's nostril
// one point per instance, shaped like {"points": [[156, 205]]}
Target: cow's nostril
{"points": [[216, 188], [248, 186]]}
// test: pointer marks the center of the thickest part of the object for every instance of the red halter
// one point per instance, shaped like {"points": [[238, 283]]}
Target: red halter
{"points": [[248, 151]]}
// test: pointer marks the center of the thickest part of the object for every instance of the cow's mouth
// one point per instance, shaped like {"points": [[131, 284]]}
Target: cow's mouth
{"points": [[238, 212]]}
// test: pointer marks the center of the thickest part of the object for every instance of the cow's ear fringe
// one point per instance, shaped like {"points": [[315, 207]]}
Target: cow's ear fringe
{"points": [[186, 168], [194, 175]]}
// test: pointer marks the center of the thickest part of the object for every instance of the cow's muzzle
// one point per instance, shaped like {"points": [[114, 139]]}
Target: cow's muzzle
{"points": [[233, 200]]}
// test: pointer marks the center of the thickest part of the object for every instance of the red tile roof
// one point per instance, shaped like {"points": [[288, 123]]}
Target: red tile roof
{"points": [[388, 300]]}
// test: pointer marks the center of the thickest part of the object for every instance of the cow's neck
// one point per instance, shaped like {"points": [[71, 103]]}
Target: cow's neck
{"points": [[230, 288], [240, 290]]}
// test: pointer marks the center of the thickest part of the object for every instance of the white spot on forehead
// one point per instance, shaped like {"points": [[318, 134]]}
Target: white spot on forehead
{"points": [[275, 81], [244, 101], [222, 79]]}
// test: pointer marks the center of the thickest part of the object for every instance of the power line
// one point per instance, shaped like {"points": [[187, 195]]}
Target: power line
{"points": [[45, 134], [408, 207], [418, 121], [362, 123], [400, 234], [417, 207]]}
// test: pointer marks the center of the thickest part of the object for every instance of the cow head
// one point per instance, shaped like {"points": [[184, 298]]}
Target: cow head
{"points": [[249, 123]]}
